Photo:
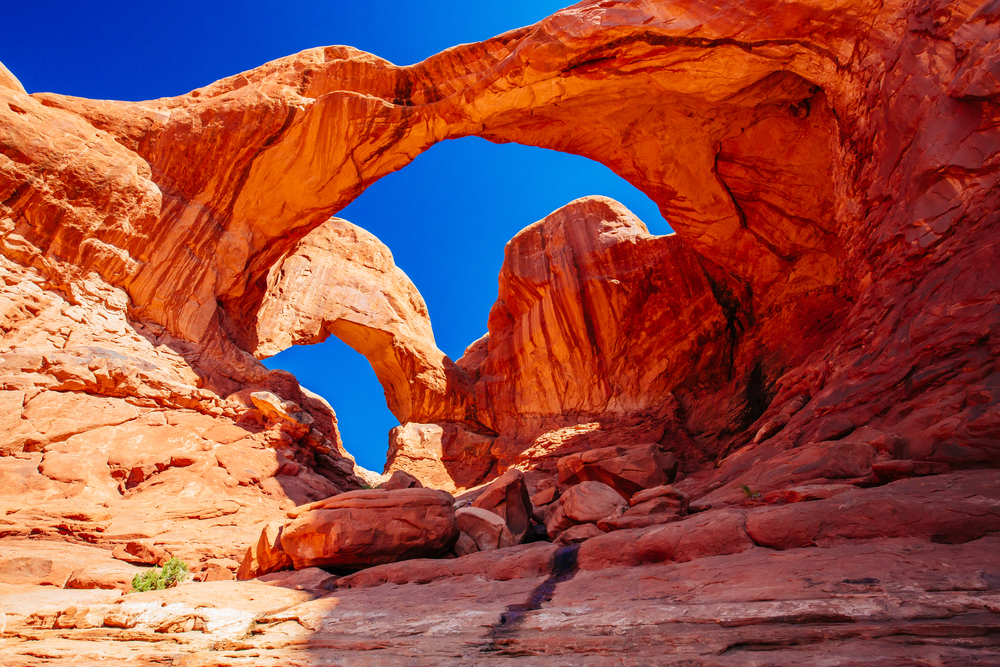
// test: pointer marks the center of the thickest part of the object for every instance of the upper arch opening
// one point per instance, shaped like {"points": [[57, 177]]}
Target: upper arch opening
{"points": [[446, 218]]}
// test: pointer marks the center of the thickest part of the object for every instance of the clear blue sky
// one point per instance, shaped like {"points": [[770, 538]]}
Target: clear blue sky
{"points": [[446, 217]]}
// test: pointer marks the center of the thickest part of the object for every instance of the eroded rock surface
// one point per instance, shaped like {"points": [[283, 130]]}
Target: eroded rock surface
{"points": [[370, 527], [816, 347]]}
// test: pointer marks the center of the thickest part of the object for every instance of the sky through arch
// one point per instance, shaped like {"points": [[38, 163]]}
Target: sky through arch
{"points": [[446, 218]]}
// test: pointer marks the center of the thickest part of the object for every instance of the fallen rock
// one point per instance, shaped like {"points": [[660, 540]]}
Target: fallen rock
{"points": [[141, 553], [218, 569], [659, 505], [677, 499], [268, 555], [370, 527], [401, 479], [588, 502], [507, 497], [487, 529], [545, 496], [465, 545], [626, 469]]}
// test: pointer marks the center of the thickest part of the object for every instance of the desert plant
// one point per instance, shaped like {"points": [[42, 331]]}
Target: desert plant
{"points": [[752, 495], [172, 573]]}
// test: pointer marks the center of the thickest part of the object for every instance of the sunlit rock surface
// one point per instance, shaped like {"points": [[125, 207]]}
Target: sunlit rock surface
{"points": [[816, 346]]}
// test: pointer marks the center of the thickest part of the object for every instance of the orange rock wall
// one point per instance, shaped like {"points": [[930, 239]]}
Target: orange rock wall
{"points": [[830, 171]]}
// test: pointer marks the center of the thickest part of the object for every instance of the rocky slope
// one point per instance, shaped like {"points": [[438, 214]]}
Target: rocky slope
{"points": [[796, 395]]}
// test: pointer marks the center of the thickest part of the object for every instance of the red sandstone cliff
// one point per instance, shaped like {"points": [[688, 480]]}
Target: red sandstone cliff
{"points": [[821, 328]]}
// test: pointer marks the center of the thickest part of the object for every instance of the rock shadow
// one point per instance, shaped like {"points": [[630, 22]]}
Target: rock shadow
{"points": [[502, 633]]}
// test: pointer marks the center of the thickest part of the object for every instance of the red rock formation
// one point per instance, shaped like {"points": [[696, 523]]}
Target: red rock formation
{"points": [[824, 321], [369, 304], [370, 527], [445, 456], [507, 497]]}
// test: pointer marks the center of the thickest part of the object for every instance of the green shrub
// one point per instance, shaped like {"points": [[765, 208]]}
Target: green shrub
{"points": [[752, 495], [172, 573]]}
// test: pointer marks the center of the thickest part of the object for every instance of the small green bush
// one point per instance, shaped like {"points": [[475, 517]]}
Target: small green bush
{"points": [[172, 573], [751, 494]]}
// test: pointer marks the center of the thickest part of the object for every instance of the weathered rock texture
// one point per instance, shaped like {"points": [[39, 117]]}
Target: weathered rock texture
{"points": [[369, 304], [370, 527], [825, 320]]}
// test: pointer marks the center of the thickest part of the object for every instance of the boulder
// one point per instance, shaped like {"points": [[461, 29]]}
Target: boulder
{"points": [[677, 499], [588, 502], [507, 497], [626, 469], [545, 496], [465, 545], [141, 553], [487, 529], [401, 479], [370, 527], [661, 504], [218, 569], [266, 556]]}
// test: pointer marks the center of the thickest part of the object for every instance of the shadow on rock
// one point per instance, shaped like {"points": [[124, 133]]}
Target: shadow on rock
{"points": [[564, 567]]}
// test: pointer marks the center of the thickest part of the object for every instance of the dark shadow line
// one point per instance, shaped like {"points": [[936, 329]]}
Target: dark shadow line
{"points": [[564, 568]]}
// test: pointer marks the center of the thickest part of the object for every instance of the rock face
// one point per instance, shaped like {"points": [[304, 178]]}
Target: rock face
{"points": [[628, 470], [444, 456], [369, 304], [816, 347]]}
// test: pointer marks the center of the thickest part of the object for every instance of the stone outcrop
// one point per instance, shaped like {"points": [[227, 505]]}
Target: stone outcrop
{"points": [[816, 346], [371, 305], [446, 456], [626, 469]]}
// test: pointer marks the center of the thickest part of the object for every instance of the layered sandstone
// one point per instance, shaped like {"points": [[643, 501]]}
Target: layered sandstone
{"points": [[816, 347]]}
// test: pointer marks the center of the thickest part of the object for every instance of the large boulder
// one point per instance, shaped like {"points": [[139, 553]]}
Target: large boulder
{"points": [[370, 527], [588, 502], [401, 479], [486, 529], [507, 497], [268, 555], [626, 469], [661, 504]]}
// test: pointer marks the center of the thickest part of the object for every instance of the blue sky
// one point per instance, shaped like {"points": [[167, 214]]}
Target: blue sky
{"points": [[446, 216]]}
